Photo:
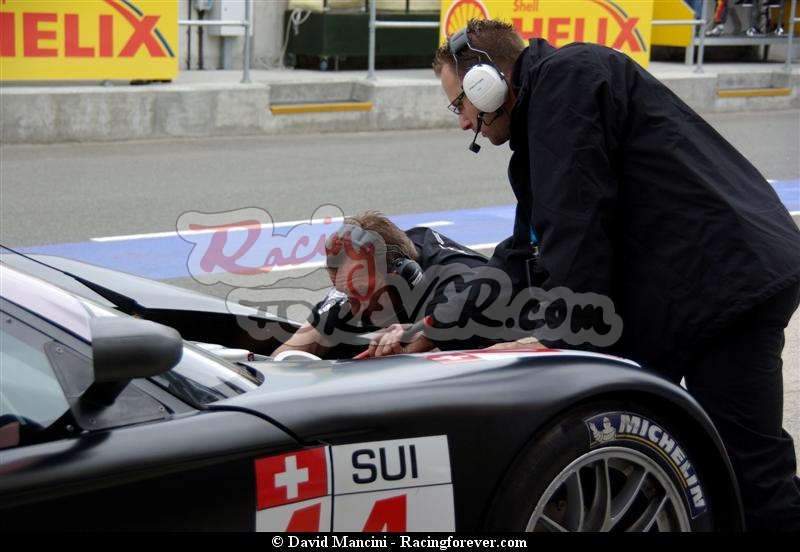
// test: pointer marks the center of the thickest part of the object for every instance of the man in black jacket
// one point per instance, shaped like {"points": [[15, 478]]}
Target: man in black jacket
{"points": [[624, 191], [384, 278]]}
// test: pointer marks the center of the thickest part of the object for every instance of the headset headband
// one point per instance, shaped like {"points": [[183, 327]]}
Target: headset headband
{"points": [[371, 243], [457, 41]]}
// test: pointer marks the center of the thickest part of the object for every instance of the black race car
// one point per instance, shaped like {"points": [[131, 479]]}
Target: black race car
{"points": [[112, 417]]}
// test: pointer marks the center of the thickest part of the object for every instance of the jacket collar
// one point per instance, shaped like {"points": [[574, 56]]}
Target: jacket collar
{"points": [[537, 49], [521, 82]]}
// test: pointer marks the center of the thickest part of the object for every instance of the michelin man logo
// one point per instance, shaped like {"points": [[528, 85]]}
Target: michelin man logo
{"points": [[607, 433]]}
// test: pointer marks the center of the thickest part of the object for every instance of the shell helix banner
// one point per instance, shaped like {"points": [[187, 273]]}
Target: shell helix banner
{"points": [[624, 25], [88, 39]]}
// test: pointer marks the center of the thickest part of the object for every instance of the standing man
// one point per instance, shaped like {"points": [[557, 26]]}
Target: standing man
{"points": [[624, 191]]}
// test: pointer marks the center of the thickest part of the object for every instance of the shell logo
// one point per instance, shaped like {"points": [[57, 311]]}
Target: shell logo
{"points": [[462, 11]]}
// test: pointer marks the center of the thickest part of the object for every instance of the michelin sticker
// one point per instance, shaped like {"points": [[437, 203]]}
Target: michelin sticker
{"points": [[625, 426], [394, 486]]}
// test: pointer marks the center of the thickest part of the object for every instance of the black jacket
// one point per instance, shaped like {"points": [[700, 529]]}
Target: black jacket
{"points": [[634, 196]]}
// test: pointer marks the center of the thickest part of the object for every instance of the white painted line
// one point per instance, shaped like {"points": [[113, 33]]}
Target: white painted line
{"points": [[436, 223], [174, 233], [132, 237], [304, 266]]}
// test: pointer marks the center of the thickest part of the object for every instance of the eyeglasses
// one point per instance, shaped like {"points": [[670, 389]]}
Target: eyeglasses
{"points": [[455, 105]]}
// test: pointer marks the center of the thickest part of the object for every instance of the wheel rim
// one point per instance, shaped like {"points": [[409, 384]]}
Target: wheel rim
{"points": [[611, 489]]}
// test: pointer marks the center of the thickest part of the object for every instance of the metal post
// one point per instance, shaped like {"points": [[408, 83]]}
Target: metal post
{"points": [[371, 53], [694, 22], [226, 52], [792, 20], [248, 22], [374, 25], [702, 36]]}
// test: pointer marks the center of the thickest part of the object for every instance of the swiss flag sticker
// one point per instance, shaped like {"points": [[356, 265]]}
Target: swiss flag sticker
{"points": [[292, 477]]}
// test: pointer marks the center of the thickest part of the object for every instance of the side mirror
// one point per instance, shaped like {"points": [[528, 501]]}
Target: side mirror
{"points": [[127, 348]]}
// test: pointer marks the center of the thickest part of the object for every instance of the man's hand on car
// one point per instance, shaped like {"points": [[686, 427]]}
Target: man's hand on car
{"points": [[394, 341]]}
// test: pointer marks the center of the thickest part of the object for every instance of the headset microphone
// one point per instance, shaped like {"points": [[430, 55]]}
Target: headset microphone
{"points": [[473, 147]]}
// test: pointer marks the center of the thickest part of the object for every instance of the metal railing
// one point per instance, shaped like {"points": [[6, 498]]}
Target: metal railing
{"points": [[700, 42], [793, 20], [246, 23], [699, 25], [374, 24]]}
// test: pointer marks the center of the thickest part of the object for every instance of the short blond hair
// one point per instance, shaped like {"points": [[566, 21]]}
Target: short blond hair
{"points": [[398, 245], [497, 38]]}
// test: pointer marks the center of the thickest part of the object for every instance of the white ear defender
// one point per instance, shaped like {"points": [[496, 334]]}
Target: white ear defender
{"points": [[483, 84], [485, 87]]}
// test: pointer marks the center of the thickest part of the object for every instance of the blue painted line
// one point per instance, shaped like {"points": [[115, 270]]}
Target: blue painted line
{"points": [[171, 257], [789, 192], [470, 226], [158, 258]]}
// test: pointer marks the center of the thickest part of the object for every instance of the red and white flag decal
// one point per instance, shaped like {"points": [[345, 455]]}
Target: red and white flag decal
{"points": [[395, 485], [292, 477]]}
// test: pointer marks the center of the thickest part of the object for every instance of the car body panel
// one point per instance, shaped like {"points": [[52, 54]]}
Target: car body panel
{"points": [[64, 478]]}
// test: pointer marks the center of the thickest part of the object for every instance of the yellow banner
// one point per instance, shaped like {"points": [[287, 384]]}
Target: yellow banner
{"points": [[88, 40], [674, 10], [621, 24]]}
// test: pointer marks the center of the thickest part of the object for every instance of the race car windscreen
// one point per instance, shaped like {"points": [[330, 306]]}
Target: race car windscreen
{"points": [[201, 378]]}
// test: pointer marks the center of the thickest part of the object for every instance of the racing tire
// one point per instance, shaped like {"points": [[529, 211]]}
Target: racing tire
{"points": [[633, 472]]}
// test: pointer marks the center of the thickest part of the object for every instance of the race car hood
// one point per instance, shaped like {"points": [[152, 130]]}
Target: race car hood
{"points": [[314, 397], [305, 378]]}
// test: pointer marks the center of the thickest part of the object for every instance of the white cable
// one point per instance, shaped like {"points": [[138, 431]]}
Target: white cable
{"points": [[296, 18]]}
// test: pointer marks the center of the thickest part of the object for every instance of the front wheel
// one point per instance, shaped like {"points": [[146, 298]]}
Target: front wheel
{"points": [[604, 469]]}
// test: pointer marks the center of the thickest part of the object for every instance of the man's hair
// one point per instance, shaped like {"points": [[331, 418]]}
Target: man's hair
{"points": [[398, 244], [497, 38]]}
